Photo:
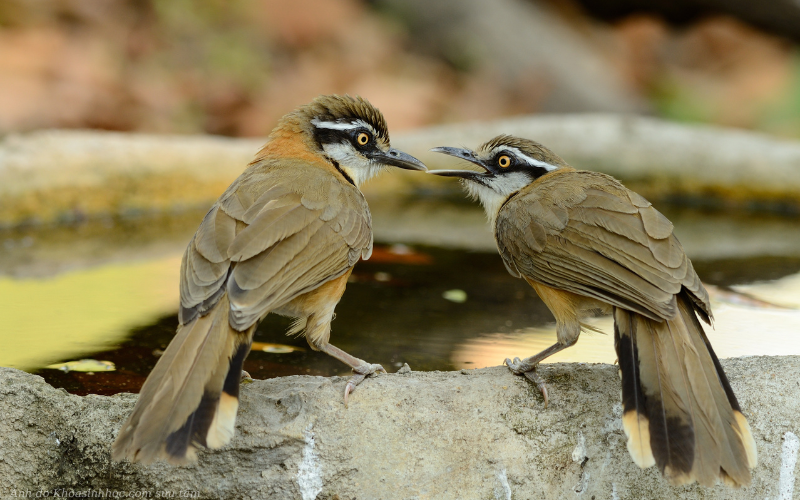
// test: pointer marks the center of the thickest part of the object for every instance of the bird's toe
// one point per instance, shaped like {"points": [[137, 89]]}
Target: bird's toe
{"points": [[360, 372], [518, 366]]}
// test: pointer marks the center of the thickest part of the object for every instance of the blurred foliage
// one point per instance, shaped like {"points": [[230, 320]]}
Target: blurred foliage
{"points": [[214, 37], [676, 102], [782, 116], [720, 71], [777, 113], [233, 67], [230, 67]]}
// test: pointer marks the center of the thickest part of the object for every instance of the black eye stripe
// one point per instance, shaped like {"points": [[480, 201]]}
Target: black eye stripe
{"points": [[353, 136]]}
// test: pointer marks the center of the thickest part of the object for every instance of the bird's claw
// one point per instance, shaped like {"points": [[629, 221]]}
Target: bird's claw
{"points": [[246, 378], [360, 372], [520, 367], [539, 381]]}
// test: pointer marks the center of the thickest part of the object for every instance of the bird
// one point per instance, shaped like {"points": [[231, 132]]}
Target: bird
{"points": [[588, 245], [283, 239]]}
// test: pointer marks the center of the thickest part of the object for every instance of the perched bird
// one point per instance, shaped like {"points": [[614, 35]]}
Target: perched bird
{"points": [[282, 239], [586, 243]]}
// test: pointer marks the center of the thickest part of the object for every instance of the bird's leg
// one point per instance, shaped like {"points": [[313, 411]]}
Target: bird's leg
{"points": [[567, 309], [528, 366], [317, 327], [519, 366], [361, 369]]}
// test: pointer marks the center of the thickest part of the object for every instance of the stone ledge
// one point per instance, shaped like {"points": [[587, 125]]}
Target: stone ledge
{"points": [[438, 435], [64, 175]]}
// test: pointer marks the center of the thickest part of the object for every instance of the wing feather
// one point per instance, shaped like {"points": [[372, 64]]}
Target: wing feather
{"points": [[270, 227], [586, 233], [215, 235], [271, 237]]}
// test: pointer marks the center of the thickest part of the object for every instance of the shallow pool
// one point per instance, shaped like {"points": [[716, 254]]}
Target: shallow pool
{"points": [[433, 308]]}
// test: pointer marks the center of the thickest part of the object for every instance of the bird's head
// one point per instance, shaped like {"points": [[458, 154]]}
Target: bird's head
{"points": [[350, 132], [508, 164]]}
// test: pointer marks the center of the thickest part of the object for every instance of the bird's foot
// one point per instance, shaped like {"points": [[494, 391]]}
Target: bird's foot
{"points": [[360, 372], [246, 378], [521, 367]]}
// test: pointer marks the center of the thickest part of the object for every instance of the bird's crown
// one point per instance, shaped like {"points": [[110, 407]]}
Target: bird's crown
{"points": [[337, 112], [531, 149]]}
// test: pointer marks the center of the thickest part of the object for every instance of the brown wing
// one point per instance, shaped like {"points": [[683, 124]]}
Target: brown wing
{"points": [[283, 228], [586, 233]]}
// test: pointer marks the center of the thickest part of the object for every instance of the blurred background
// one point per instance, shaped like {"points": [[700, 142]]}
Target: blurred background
{"points": [[233, 67], [89, 301]]}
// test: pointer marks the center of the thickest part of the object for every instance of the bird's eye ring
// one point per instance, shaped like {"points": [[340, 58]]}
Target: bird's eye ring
{"points": [[362, 139], [504, 161]]}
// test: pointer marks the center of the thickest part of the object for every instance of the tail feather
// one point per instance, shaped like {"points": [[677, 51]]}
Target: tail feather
{"points": [[672, 437], [191, 396], [635, 421], [714, 399], [742, 427], [679, 411]]}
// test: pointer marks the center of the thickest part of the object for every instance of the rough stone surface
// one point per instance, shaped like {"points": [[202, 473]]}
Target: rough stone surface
{"points": [[481, 434]]}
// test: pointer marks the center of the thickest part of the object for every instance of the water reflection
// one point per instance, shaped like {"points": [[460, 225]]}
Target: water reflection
{"points": [[77, 313], [742, 327], [394, 312], [108, 290]]}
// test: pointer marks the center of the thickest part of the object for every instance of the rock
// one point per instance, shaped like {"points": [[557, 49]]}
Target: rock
{"points": [[61, 175], [418, 435]]}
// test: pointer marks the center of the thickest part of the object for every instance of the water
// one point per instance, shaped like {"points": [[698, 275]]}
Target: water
{"points": [[402, 306]]}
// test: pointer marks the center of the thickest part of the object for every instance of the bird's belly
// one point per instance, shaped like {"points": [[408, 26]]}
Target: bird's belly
{"points": [[323, 298]]}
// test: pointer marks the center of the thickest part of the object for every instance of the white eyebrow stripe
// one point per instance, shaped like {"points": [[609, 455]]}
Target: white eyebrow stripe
{"points": [[340, 126], [530, 161]]}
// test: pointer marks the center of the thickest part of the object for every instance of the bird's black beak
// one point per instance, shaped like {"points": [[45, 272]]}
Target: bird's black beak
{"points": [[464, 154], [399, 159]]}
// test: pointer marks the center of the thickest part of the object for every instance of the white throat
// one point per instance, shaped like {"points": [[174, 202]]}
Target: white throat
{"points": [[355, 165], [499, 188]]}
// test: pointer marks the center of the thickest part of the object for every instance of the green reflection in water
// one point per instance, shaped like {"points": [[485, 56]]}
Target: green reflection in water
{"points": [[53, 319]]}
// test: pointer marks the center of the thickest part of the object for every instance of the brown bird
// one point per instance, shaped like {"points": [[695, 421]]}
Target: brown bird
{"points": [[282, 239], [586, 243]]}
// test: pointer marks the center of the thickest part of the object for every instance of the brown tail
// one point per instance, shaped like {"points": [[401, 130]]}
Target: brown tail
{"points": [[191, 396], [679, 411]]}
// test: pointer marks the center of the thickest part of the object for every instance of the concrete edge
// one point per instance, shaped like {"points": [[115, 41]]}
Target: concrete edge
{"points": [[63, 175]]}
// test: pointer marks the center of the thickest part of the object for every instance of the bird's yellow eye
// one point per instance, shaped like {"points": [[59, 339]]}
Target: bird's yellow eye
{"points": [[504, 161], [362, 138]]}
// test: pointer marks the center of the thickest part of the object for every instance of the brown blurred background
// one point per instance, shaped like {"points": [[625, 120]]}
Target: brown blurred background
{"points": [[232, 67]]}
